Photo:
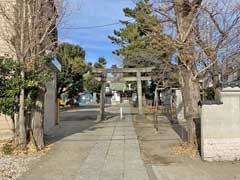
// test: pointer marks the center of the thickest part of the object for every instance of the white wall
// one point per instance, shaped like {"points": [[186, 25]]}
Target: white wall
{"points": [[220, 128]]}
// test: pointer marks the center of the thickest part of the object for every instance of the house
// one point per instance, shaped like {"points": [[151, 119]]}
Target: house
{"points": [[50, 104]]}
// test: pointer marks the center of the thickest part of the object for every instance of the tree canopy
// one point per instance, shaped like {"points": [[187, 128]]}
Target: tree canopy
{"points": [[70, 79], [142, 41], [101, 63], [91, 84]]}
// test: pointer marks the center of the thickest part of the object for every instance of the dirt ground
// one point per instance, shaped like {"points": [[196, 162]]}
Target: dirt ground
{"points": [[157, 147], [163, 151]]}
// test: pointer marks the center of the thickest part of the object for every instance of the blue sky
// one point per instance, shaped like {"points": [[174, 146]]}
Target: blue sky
{"points": [[85, 13]]}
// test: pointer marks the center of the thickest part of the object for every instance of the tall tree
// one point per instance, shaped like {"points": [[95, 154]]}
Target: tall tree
{"points": [[101, 63], [164, 26], [218, 40], [30, 34], [142, 41], [195, 52], [185, 12], [70, 79], [90, 83]]}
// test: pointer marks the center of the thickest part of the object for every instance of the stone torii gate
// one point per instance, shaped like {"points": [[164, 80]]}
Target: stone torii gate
{"points": [[101, 75]]}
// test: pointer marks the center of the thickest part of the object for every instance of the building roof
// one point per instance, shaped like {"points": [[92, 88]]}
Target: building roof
{"points": [[232, 84]]}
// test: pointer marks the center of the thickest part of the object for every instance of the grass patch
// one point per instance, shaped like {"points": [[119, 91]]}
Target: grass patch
{"points": [[7, 149]]}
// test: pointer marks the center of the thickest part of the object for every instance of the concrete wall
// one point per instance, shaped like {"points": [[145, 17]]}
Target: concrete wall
{"points": [[6, 127], [50, 106], [220, 128]]}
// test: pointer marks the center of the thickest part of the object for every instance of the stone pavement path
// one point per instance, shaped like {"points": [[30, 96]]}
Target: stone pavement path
{"points": [[105, 151], [116, 154]]}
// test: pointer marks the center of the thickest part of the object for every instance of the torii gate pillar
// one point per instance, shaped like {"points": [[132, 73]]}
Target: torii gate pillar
{"points": [[139, 90], [103, 78], [102, 97], [102, 101]]}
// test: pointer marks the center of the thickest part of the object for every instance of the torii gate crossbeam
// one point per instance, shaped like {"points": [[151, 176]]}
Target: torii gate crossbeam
{"points": [[103, 78]]}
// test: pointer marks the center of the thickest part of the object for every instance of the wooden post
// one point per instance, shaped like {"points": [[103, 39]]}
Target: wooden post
{"points": [[58, 112], [139, 89]]}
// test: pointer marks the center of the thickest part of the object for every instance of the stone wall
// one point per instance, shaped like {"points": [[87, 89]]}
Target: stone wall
{"points": [[179, 107], [220, 128], [166, 98]]}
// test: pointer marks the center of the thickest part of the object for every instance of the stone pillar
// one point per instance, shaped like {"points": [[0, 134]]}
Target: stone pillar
{"points": [[129, 87], [139, 89], [95, 98], [179, 106], [50, 104]]}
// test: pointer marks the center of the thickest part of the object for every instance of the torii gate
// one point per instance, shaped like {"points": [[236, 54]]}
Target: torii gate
{"points": [[102, 76]]}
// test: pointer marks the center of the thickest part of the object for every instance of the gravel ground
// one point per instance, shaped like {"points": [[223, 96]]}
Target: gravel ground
{"points": [[13, 167]]}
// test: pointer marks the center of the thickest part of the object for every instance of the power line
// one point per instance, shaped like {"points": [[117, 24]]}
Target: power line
{"points": [[92, 27]]}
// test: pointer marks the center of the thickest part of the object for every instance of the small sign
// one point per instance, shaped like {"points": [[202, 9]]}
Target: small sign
{"points": [[57, 64]]}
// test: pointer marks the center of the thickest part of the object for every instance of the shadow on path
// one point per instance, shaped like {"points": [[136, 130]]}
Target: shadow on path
{"points": [[72, 123]]}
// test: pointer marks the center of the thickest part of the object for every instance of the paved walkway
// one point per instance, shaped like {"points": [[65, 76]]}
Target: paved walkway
{"points": [[86, 150], [105, 151], [116, 154]]}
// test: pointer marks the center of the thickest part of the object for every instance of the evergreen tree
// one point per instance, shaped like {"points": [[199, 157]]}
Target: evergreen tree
{"points": [[143, 42], [70, 79]]}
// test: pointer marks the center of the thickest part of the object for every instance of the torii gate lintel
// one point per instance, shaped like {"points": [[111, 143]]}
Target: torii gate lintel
{"points": [[138, 78]]}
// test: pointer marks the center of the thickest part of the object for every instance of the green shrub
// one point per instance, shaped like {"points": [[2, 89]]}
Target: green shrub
{"points": [[7, 149]]}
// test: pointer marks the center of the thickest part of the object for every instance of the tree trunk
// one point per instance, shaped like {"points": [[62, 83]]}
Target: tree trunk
{"points": [[21, 5], [38, 119], [214, 71], [185, 12], [216, 82], [22, 141], [191, 97]]}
